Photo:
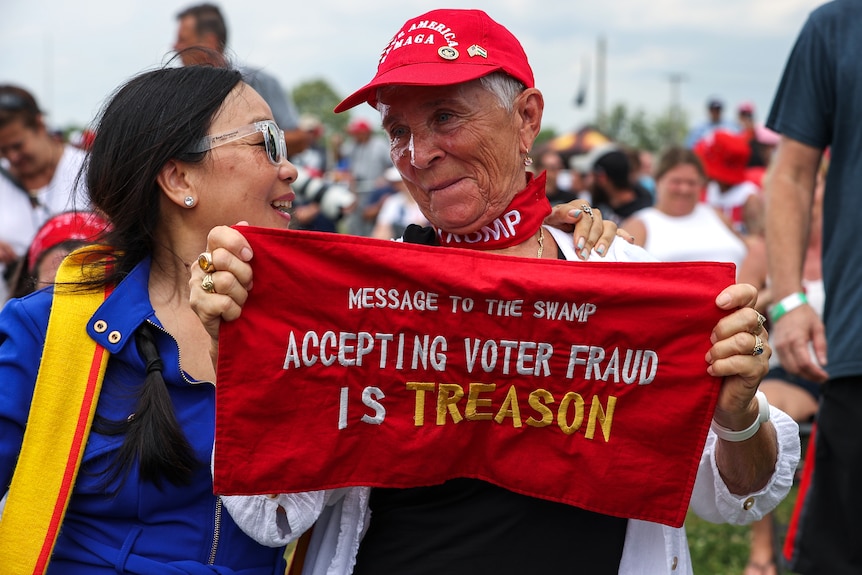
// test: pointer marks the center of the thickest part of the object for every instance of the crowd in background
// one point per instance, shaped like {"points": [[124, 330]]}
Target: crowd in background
{"points": [[701, 200]]}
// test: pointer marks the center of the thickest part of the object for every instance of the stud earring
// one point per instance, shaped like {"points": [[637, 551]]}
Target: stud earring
{"points": [[189, 201], [528, 161]]}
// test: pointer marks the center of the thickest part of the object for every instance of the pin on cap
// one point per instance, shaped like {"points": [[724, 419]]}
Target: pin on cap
{"points": [[448, 53]]}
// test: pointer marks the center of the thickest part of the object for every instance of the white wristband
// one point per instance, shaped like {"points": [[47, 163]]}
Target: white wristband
{"points": [[786, 305], [736, 436]]}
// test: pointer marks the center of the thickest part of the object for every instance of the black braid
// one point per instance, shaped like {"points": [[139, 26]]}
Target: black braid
{"points": [[153, 436]]}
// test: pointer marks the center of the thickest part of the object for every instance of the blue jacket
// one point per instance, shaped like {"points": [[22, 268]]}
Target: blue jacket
{"points": [[141, 528]]}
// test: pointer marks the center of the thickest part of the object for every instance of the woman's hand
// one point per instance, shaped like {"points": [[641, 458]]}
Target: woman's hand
{"points": [[586, 224], [220, 293], [732, 355], [740, 354]]}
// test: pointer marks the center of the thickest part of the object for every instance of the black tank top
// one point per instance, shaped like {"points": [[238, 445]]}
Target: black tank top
{"points": [[471, 527]]}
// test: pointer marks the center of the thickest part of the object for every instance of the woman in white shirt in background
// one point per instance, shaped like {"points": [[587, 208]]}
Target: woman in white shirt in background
{"points": [[680, 227]]}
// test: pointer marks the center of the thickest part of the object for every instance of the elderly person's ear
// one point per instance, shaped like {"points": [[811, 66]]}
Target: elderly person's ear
{"points": [[530, 105]]}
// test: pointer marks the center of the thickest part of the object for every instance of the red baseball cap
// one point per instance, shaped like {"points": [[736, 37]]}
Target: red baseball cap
{"points": [[64, 227], [724, 156], [445, 47], [358, 125]]}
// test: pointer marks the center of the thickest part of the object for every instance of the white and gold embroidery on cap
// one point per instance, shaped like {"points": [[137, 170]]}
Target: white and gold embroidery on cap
{"points": [[448, 53], [476, 50]]}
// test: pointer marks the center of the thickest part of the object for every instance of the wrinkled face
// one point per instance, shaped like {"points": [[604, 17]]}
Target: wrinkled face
{"points": [[237, 181], [28, 149], [678, 190], [457, 149]]}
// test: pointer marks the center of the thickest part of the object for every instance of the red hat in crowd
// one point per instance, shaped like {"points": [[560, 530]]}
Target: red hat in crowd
{"points": [[358, 125], [746, 108], [68, 226], [445, 47], [724, 156]]}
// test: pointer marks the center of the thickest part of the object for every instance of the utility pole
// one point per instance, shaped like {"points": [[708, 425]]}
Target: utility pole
{"points": [[601, 52], [675, 79]]}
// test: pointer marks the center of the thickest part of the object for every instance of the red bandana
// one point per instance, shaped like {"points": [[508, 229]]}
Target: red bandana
{"points": [[519, 221], [368, 362]]}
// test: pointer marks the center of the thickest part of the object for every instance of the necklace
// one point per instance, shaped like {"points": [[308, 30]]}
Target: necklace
{"points": [[541, 241]]}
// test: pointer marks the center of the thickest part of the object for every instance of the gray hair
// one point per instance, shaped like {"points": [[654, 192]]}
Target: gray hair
{"points": [[504, 87]]}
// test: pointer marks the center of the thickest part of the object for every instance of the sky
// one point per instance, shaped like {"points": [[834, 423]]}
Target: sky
{"points": [[73, 55]]}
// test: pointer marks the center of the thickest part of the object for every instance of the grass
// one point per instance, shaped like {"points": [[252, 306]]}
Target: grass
{"points": [[723, 549]]}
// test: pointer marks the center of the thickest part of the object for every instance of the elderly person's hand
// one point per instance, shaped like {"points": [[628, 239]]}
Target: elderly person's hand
{"points": [[220, 280], [589, 232], [734, 355]]}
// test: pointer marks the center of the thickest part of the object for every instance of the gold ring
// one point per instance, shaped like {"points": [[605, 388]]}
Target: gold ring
{"points": [[205, 260], [587, 210], [758, 345], [207, 284]]}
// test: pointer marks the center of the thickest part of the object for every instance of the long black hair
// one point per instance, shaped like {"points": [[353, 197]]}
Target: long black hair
{"points": [[153, 118]]}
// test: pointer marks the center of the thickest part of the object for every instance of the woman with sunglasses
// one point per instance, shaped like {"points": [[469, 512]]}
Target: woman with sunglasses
{"points": [[37, 175], [178, 151]]}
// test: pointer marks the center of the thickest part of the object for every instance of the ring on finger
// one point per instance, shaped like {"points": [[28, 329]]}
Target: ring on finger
{"points": [[587, 210], [207, 284], [758, 345], [761, 319], [205, 261]]}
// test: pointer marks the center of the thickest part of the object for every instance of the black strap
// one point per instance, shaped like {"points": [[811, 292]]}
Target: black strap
{"points": [[34, 201], [415, 234]]}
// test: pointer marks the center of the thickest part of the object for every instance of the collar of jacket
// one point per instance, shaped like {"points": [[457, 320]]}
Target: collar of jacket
{"points": [[115, 322]]}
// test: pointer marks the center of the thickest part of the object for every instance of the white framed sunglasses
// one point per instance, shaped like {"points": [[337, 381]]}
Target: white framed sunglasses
{"points": [[273, 140]]}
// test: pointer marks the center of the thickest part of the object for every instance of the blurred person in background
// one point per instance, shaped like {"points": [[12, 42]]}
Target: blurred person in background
{"points": [[725, 156], [367, 154], [38, 176], [56, 239], [320, 203], [202, 38], [714, 121], [552, 163], [397, 210], [644, 173], [613, 190], [748, 128], [681, 228], [313, 156]]}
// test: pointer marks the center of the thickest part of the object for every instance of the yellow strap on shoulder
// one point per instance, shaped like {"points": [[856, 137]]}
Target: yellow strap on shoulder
{"points": [[64, 401]]}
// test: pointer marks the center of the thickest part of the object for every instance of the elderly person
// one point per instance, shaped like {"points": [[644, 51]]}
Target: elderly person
{"points": [[457, 99]]}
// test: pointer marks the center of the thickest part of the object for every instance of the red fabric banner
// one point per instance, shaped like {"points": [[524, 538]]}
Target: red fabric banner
{"points": [[367, 362]]}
